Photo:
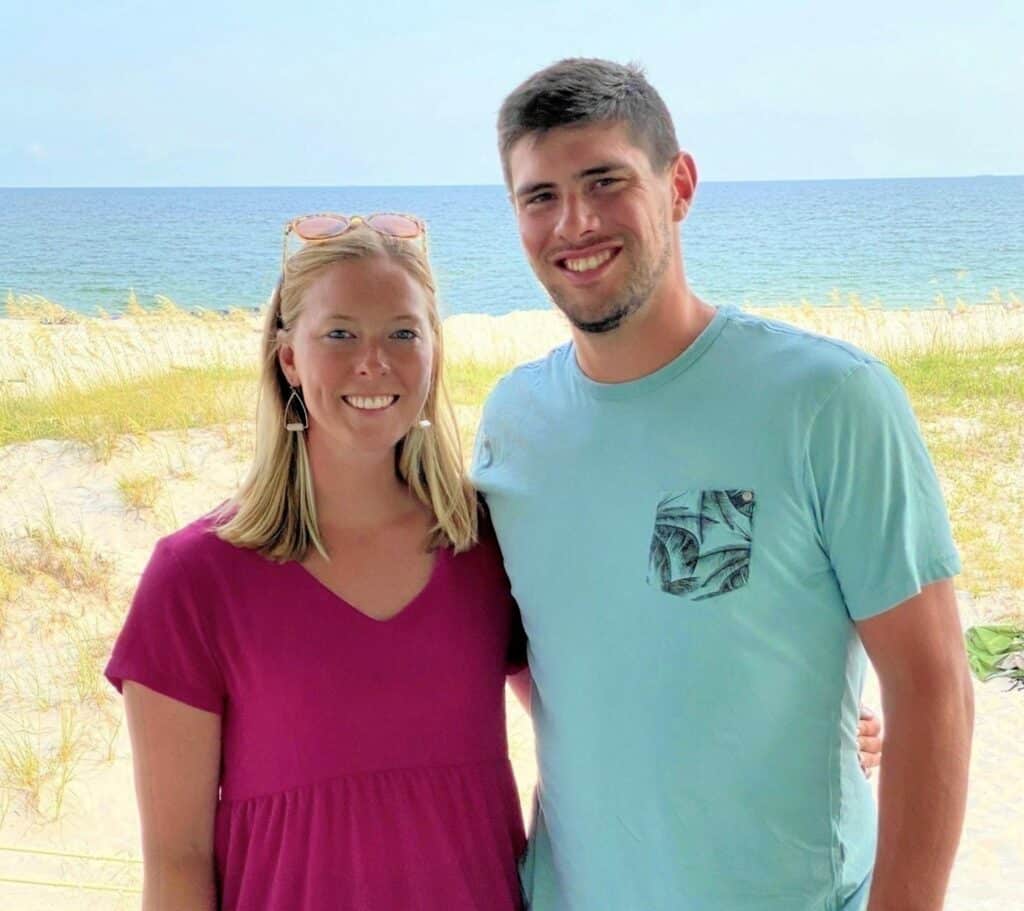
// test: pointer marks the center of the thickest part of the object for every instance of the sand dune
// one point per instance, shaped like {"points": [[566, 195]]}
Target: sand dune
{"points": [[74, 548]]}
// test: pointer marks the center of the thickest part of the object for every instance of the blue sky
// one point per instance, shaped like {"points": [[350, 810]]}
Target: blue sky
{"points": [[313, 93]]}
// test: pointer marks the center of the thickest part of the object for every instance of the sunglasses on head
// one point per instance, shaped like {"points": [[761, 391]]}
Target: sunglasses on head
{"points": [[324, 226]]}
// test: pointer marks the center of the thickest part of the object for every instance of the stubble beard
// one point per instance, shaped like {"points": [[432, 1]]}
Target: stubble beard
{"points": [[639, 286]]}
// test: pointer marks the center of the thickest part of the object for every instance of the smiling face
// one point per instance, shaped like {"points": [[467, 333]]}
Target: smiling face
{"points": [[362, 351], [595, 219]]}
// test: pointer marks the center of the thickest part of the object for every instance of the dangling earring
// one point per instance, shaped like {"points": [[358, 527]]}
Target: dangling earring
{"points": [[296, 426], [424, 423]]}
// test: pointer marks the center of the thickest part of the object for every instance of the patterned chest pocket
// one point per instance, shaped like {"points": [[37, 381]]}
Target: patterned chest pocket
{"points": [[701, 543]]}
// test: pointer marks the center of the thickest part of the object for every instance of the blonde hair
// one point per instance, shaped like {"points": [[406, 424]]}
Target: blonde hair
{"points": [[274, 510]]}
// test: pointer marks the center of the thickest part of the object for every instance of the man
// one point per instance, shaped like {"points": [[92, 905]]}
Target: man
{"points": [[705, 516]]}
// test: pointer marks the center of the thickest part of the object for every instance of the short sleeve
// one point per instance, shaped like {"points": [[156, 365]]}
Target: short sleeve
{"points": [[492, 434], [880, 511], [483, 447], [165, 643]]}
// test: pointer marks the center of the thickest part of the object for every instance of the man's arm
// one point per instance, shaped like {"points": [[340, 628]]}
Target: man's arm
{"points": [[927, 697]]}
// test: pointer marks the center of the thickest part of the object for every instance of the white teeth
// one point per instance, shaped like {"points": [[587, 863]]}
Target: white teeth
{"points": [[369, 402], [588, 262]]}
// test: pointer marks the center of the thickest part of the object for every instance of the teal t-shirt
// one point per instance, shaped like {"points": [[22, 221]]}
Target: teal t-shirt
{"points": [[689, 552]]}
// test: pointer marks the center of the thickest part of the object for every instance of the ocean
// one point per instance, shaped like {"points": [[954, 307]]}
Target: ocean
{"points": [[891, 243]]}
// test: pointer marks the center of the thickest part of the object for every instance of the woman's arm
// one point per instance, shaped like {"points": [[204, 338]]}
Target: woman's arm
{"points": [[176, 753], [521, 684]]}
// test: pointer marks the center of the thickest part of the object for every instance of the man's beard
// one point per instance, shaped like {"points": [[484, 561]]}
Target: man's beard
{"points": [[639, 286]]}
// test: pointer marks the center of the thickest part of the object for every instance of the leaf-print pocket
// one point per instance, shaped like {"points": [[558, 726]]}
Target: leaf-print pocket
{"points": [[701, 543]]}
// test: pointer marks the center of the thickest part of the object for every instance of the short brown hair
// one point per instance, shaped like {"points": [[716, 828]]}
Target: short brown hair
{"points": [[578, 91]]}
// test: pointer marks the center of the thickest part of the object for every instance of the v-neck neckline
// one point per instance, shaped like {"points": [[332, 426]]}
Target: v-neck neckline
{"points": [[440, 558]]}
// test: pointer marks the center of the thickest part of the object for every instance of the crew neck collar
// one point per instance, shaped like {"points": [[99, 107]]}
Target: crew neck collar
{"points": [[681, 362]]}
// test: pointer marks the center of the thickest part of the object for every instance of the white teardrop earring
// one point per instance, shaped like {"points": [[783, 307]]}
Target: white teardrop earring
{"points": [[424, 423], [296, 426]]}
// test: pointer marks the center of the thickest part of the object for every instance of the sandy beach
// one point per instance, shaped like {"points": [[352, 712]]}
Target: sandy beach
{"points": [[76, 529]]}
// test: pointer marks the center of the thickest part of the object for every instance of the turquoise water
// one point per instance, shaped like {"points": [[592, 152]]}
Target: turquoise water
{"points": [[903, 242]]}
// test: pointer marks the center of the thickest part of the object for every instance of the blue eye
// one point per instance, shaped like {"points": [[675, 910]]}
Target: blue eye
{"points": [[405, 334], [340, 334]]}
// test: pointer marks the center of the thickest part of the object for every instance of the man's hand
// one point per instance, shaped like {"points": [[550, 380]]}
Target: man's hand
{"points": [[869, 740]]}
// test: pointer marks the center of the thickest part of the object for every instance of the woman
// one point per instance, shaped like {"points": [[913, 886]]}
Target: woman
{"points": [[330, 650], [313, 676]]}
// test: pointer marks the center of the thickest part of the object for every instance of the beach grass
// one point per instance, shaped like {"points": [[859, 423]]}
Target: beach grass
{"points": [[470, 381], [951, 377], [66, 559], [12, 580], [38, 764], [55, 707], [56, 585], [965, 381], [98, 415], [175, 400], [970, 404], [23, 764], [140, 491], [155, 426], [964, 375]]}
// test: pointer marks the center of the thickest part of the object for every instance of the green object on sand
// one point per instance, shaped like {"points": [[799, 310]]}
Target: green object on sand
{"points": [[996, 651]]}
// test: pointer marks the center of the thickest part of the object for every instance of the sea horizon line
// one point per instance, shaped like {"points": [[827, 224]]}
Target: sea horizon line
{"points": [[440, 186]]}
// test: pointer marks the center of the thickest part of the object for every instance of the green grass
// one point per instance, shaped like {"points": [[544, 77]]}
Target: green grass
{"points": [[971, 407], [470, 382], [176, 400], [970, 404], [173, 401], [958, 378]]}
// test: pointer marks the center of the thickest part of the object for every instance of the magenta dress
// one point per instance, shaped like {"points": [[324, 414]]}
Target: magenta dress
{"points": [[364, 762]]}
